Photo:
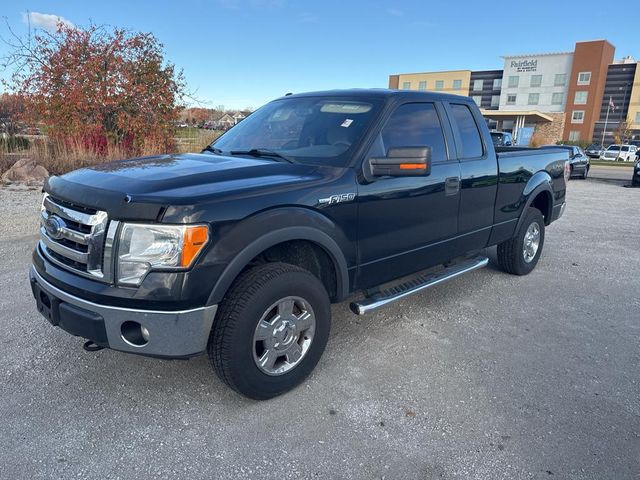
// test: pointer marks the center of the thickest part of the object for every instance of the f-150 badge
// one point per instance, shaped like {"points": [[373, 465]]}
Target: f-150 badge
{"points": [[339, 198]]}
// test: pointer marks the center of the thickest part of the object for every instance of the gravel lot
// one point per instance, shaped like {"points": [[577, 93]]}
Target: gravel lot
{"points": [[489, 376]]}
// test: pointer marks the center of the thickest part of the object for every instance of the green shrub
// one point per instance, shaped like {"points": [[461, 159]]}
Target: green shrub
{"points": [[13, 144]]}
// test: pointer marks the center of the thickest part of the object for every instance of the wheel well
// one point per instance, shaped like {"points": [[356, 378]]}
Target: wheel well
{"points": [[543, 203], [304, 254]]}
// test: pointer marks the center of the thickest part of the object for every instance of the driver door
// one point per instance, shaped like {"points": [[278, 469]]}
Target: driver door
{"points": [[408, 223]]}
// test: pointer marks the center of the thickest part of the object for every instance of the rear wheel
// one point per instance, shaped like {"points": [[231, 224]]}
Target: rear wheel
{"points": [[271, 330], [520, 254]]}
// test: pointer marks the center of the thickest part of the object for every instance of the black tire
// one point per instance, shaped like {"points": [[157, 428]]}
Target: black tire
{"points": [[585, 173], [511, 253], [231, 342]]}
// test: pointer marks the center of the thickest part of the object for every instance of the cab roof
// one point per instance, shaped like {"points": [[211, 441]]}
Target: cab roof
{"points": [[385, 93]]}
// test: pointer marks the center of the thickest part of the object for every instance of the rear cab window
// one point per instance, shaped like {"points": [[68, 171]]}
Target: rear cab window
{"points": [[465, 124]]}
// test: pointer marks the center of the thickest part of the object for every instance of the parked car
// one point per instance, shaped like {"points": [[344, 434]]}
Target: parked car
{"points": [[579, 161], [238, 251], [501, 139], [594, 150], [635, 178], [624, 153]]}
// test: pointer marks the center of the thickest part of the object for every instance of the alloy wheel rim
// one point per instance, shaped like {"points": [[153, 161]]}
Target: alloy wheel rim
{"points": [[531, 242], [283, 335]]}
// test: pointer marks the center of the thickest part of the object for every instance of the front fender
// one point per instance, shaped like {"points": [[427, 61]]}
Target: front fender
{"points": [[252, 236]]}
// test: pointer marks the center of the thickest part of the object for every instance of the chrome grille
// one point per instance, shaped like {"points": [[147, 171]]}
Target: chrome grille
{"points": [[77, 238]]}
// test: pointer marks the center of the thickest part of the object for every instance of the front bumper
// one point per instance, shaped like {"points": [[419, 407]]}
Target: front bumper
{"points": [[171, 334]]}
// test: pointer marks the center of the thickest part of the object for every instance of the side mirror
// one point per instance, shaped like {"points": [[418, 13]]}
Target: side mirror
{"points": [[402, 162], [508, 143]]}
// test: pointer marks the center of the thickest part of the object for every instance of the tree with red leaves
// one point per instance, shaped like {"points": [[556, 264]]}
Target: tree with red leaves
{"points": [[103, 85]]}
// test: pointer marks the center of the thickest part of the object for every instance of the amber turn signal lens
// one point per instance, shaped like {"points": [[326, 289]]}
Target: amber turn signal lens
{"points": [[195, 238], [413, 166]]}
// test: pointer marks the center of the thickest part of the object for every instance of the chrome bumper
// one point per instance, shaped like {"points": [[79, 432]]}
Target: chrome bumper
{"points": [[182, 333]]}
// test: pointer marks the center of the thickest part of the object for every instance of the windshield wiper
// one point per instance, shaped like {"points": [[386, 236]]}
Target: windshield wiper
{"points": [[263, 152], [209, 148]]}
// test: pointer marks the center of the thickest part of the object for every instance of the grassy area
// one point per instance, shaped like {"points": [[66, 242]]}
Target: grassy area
{"points": [[193, 139], [606, 163]]}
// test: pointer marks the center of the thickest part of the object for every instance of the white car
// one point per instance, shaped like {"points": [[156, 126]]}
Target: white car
{"points": [[626, 153]]}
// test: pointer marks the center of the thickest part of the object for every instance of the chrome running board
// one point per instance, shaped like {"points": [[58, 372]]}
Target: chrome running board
{"points": [[421, 282]]}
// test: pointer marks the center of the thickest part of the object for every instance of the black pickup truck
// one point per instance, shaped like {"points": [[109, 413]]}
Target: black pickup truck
{"points": [[239, 250]]}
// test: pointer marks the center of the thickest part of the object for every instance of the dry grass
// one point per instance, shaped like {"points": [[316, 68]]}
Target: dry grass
{"points": [[60, 157]]}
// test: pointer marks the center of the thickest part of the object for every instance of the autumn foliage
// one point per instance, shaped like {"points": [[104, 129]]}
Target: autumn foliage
{"points": [[100, 87]]}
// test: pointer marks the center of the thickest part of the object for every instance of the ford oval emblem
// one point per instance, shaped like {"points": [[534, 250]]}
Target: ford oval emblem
{"points": [[54, 225]]}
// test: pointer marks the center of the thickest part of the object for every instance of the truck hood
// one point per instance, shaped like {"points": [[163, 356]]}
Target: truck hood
{"points": [[179, 179]]}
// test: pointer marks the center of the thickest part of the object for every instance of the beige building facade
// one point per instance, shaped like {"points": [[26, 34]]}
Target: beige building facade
{"points": [[455, 81]]}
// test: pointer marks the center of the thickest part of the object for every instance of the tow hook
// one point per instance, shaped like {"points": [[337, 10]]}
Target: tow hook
{"points": [[90, 346]]}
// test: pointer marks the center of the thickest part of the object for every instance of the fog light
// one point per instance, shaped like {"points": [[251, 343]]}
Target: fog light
{"points": [[134, 334]]}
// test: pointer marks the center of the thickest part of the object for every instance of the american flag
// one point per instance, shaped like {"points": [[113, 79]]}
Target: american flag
{"points": [[612, 106]]}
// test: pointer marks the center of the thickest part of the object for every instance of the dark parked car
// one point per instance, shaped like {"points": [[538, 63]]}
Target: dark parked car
{"points": [[635, 179], [501, 139], [594, 150], [579, 161], [238, 251]]}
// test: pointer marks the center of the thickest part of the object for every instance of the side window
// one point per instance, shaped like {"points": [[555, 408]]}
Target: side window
{"points": [[469, 134], [413, 125]]}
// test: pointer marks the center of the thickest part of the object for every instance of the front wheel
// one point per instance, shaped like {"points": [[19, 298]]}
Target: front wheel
{"points": [[520, 254], [270, 331], [585, 173]]}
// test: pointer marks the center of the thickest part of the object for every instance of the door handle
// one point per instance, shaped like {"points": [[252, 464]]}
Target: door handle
{"points": [[451, 185]]}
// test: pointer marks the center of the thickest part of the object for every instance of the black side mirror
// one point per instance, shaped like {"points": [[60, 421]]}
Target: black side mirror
{"points": [[402, 162], [508, 143]]}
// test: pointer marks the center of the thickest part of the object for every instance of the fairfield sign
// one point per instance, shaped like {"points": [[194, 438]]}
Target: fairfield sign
{"points": [[525, 65]]}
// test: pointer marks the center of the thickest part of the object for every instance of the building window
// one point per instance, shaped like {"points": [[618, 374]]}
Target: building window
{"points": [[477, 85], [584, 78], [581, 98], [497, 83], [457, 84], [477, 99], [560, 80], [536, 80], [514, 80], [511, 99], [495, 100], [406, 85], [577, 116], [637, 118], [439, 84], [534, 98], [557, 98], [422, 85], [574, 135]]}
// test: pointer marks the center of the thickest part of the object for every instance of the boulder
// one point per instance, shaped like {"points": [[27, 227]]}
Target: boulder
{"points": [[26, 170]]}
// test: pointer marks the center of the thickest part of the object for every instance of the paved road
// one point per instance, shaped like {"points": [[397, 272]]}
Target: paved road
{"points": [[488, 377], [612, 174]]}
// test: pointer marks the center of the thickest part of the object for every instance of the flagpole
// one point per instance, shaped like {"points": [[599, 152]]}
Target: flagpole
{"points": [[606, 119]]}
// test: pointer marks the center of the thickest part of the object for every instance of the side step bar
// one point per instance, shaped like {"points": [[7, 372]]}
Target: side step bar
{"points": [[417, 284]]}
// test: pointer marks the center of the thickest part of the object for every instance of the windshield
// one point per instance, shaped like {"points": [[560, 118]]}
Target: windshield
{"points": [[614, 148], [304, 129]]}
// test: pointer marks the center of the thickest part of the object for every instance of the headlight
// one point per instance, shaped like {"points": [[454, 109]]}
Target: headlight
{"points": [[145, 247]]}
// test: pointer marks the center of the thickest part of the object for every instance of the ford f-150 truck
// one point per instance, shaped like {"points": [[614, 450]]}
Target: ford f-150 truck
{"points": [[239, 250]]}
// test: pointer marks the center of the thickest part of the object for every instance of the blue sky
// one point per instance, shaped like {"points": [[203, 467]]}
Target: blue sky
{"points": [[241, 53]]}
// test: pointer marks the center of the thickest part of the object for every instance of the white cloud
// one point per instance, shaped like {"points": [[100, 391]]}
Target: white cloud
{"points": [[46, 21], [395, 12]]}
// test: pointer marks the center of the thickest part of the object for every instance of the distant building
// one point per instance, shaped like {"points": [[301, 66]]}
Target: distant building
{"points": [[554, 96]]}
